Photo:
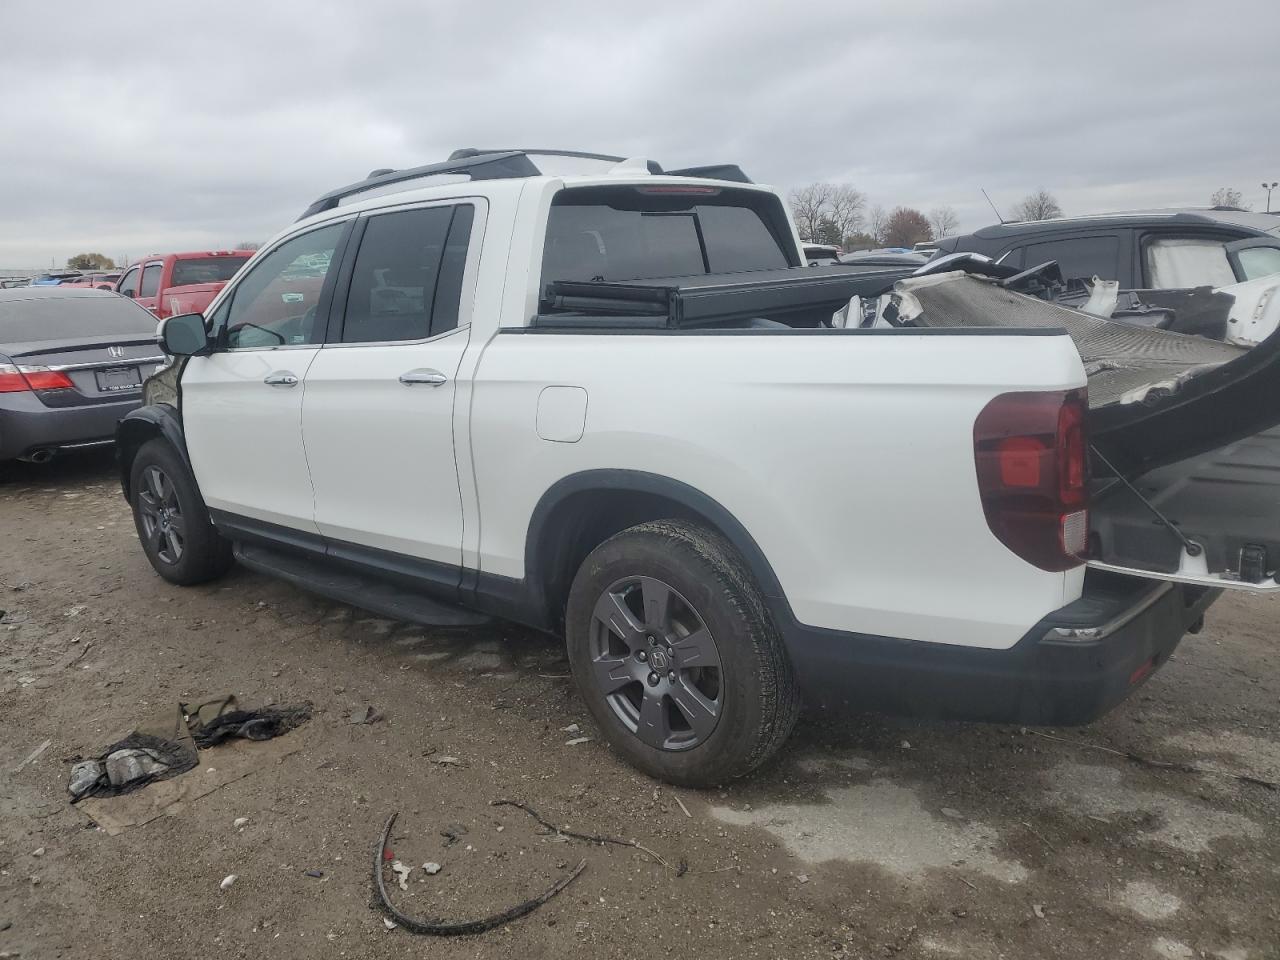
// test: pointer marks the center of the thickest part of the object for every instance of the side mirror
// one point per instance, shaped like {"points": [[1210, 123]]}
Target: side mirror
{"points": [[184, 335]]}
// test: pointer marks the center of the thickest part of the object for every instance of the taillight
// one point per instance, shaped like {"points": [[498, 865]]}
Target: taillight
{"points": [[19, 379], [1033, 474]]}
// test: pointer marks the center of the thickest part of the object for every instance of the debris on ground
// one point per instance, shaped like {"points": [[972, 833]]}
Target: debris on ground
{"points": [[431, 869], [227, 881], [316, 874], [577, 740], [33, 756], [239, 822], [168, 745], [447, 928], [1038, 911], [364, 716], [571, 729], [453, 833], [618, 841], [1142, 761], [402, 873]]}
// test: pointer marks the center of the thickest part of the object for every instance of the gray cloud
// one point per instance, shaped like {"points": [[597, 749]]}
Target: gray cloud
{"points": [[192, 125]]}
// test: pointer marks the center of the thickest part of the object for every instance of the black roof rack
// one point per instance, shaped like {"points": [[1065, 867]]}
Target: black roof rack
{"points": [[500, 165]]}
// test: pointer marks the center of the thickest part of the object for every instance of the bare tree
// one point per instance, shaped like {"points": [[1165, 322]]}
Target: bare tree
{"points": [[1227, 197], [906, 227], [844, 209], [877, 220], [944, 221], [808, 207], [1041, 205]]}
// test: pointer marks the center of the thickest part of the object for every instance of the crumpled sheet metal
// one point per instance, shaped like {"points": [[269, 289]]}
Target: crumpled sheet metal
{"points": [[1122, 362]]}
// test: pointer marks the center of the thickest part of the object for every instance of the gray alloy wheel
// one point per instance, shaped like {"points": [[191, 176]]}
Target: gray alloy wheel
{"points": [[657, 664], [163, 525]]}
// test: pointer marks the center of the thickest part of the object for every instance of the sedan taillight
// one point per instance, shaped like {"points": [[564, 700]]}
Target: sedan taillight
{"points": [[1033, 474], [15, 378]]}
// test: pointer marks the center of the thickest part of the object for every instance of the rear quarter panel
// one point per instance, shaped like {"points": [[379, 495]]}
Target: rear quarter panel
{"points": [[847, 456]]}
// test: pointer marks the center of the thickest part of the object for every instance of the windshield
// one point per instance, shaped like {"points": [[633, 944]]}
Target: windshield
{"points": [[205, 270]]}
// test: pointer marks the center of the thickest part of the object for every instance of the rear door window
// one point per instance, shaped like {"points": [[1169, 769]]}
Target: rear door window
{"points": [[629, 233], [407, 278], [1079, 258], [1174, 263], [150, 280]]}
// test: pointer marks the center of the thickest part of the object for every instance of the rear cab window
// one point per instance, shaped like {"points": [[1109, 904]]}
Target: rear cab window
{"points": [[192, 270], [641, 233]]}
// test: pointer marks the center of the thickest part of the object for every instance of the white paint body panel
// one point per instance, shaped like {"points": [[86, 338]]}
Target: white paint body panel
{"points": [[847, 457], [245, 437]]}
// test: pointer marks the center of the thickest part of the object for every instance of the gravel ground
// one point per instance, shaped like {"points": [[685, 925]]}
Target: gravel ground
{"points": [[869, 837]]}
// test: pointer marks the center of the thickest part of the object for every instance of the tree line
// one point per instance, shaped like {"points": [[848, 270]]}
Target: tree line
{"points": [[838, 214]]}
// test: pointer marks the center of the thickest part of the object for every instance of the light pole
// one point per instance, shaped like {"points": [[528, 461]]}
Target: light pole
{"points": [[1269, 187]]}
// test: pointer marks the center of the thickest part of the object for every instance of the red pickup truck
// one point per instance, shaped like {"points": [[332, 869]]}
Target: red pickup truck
{"points": [[175, 283]]}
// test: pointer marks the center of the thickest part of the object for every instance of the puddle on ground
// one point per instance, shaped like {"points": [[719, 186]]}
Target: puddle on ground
{"points": [[1101, 792], [883, 823]]}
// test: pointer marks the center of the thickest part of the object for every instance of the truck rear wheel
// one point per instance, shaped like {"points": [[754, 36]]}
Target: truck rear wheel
{"points": [[674, 651], [172, 519]]}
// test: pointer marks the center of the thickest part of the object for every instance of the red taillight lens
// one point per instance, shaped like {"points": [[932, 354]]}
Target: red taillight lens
{"points": [[19, 379], [1033, 473]]}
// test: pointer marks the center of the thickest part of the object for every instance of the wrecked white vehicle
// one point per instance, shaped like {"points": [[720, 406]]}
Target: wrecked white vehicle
{"points": [[1183, 440]]}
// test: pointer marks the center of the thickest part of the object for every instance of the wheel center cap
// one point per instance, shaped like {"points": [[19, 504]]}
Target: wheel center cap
{"points": [[659, 659]]}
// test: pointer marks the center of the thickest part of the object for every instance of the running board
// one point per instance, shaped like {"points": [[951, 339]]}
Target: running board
{"points": [[367, 592]]}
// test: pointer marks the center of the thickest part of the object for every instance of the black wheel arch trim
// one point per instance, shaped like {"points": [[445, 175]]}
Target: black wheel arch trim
{"points": [[529, 600], [141, 425]]}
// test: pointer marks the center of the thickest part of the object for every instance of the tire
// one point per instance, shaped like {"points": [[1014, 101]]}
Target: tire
{"points": [[676, 655], [172, 519]]}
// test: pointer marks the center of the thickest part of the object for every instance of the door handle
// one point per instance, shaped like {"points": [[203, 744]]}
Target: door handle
{"points": [[281, 378], [432, 378]]}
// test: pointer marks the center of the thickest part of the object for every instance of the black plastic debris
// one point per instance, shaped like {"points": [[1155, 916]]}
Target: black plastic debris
{"points": [[168, 745]]}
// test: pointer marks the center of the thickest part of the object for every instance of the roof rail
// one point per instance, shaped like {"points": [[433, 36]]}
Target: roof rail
{"points": [[501, 165], [510, 164]]}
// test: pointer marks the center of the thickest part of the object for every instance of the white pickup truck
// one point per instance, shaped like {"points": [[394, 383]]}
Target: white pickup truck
{"points": [[611, 404]]}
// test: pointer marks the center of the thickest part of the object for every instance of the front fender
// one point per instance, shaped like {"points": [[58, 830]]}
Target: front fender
{"points": [[143, 424]]}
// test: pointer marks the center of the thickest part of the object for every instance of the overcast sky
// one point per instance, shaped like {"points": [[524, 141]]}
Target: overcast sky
{"points": [[176, 125]]}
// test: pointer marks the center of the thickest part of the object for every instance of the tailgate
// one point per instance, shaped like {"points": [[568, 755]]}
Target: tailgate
{"points": [[1212, 519]]}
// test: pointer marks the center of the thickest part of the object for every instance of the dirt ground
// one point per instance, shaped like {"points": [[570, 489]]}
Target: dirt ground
{"points": [[869, 837]]}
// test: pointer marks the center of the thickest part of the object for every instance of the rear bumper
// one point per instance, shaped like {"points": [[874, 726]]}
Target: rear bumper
{"points": [[28, 426], [1072, 667]]}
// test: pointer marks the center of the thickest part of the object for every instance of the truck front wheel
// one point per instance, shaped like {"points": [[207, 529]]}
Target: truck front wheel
{"points": [[676, 655], [172, 520]]}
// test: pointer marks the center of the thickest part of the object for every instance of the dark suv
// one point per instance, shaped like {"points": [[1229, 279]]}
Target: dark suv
{"points": [[1155, 249]]}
